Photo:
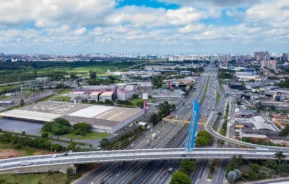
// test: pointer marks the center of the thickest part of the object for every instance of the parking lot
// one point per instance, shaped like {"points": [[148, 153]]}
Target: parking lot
{"points": [[19, 126]]}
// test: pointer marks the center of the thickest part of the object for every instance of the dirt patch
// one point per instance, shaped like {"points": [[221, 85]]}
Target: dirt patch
{"points": [[9, 153], [37, 153]]}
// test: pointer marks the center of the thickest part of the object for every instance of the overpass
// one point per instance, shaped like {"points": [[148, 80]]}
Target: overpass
{"points": [[19, 165]]}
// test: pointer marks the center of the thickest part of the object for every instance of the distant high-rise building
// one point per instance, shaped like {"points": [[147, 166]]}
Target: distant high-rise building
{"points": [[284, 57], [225, 58], [259, 56], [270, 64]]}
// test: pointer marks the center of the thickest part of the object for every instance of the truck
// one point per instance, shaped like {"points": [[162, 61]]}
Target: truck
{"points": [[154, 135]]}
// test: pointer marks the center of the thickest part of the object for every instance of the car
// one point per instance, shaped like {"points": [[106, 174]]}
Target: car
{"points": [[184, 155], [25, 163], [54, 156], [170, 170], [165, 173]]}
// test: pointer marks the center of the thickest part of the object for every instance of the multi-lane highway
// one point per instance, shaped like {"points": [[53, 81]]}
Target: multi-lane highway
{"points": [[150, 172]]}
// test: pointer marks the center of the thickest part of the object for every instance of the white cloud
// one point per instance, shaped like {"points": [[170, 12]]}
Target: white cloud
{"points": [[238, 15], [80, 31], [191, 28], [221, 3], [98, 25], [55, 12]]}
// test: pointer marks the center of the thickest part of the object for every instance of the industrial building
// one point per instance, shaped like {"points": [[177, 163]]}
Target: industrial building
{"points": [[102, 118], [247, 76], [125, 92]]}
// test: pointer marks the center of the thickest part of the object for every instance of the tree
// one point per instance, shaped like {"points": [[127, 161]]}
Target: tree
{"points": [[139, 104], [73, 76], [81, 128], [285, 131], [17, 146], [108, 102], [154, 119], [238, 173], [180, 178], [232, 176], [22, 103], [23, 133], [44, 135], [220, 114], [59, 126], [271, 164], [104, 143], [187, 167], [92, 75], [135, 96], [69, 172], [279, 155]]}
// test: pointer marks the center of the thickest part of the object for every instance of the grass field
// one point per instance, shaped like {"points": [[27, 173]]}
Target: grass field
{"points": [[59, 92], [88, 136], [205, 93], [8, 148], [7, 76], [34, 178], [218, 97], [136, 101]]}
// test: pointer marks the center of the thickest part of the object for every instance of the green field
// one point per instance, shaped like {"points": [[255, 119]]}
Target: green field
{"points": [[44, 69], [206, 89], [88, 136], [136, 101], [33, 178], [25, 151], [59, 92], [218, 97]]}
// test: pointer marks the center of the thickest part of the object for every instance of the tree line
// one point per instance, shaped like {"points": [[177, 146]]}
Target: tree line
{"points": [[61, 126]]}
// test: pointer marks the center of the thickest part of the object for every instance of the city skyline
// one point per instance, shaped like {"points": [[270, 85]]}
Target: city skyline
{"points": [[156, 27]]}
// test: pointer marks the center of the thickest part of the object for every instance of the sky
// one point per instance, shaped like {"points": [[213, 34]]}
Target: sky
{"points": [[144, 26]]}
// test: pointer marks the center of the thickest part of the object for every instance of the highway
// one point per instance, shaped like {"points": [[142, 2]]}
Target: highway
{"points": [[138, 172]]}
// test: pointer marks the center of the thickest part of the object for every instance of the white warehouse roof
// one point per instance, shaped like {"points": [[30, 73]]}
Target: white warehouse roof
{"points": [[260, 123]]}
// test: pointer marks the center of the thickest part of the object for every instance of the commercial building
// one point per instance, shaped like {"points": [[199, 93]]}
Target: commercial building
{"points": [[94, 96], [76, 94], [247, 76], [102, 118], [270, 64], [108, 95], [235, 85], [125, 92]]}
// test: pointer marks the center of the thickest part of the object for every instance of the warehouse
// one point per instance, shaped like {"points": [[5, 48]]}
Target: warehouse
{"points": [[102, 118]]}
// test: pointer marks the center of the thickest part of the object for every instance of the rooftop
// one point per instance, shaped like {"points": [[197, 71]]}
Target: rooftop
{"points": [[94, 114], [107, 93]]}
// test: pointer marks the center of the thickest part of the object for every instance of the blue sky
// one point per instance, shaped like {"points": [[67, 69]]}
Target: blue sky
{"points": [[144, 26]]}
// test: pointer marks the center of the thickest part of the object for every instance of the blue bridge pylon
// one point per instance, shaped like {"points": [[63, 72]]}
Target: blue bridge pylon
{"points": [[193, 127]]}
